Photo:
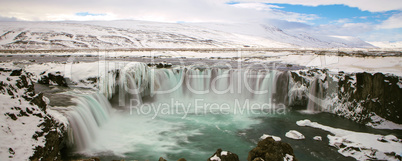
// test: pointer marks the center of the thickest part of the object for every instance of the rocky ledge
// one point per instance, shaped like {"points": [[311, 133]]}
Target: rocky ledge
{"points": [[28, 130]]}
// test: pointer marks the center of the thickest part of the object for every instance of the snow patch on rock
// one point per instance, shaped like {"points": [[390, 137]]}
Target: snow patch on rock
{"points": [[293, 134], [359, 145], [264, 136]]}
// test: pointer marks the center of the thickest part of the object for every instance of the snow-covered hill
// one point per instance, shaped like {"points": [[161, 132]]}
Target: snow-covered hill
{"points": [[140, 34], [385, 44]]}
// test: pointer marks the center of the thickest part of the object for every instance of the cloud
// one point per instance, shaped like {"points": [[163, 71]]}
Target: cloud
{"points": [[167, 10], [273, 12], [8, 19], [383, 35], [153, 10], [395, 21], [364, 5], [201, 11]]}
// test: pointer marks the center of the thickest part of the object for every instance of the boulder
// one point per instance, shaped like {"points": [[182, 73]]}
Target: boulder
{"points": [[271, 150], [220, 155]]}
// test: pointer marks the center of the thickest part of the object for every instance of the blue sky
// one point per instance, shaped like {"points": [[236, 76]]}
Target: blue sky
{"points": [[370, 20], [89, 14], [365, 22], [334, 13]]}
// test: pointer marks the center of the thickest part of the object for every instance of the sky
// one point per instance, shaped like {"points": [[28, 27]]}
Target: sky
{"points": [[370, 20]]}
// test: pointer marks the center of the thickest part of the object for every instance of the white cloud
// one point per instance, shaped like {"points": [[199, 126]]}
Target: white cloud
{"points": [[364, 5], [167, 10], [153, 10], [395, 21], [200, 11]]}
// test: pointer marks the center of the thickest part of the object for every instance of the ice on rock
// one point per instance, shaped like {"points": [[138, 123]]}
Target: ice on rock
{"points": [[293, 134], [389, 138], [318, 138], [215, 158], [288, 157], [224, 153], [303, 122], [359, 145], [264, 136]]}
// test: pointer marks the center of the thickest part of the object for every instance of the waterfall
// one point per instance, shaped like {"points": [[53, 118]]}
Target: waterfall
{"points": [[136, 80], [282, 88], [315, 95], [91, 112], [138, 83]]}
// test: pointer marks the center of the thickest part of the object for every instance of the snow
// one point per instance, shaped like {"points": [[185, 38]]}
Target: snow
{"points": [[381, 123], [18, 134], [359, 145], [318, 138], [293, 134], [264, 136], [295, 39], [347, 64], [59, 117], [215, 158], [288, 157], [387, 44], [224, 153], [141, 34]]}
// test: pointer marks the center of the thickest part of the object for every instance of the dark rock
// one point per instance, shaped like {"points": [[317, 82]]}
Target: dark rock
{"points": [[373, 93], [16, 72], [181, 159], [56, 78], [90, 159], [379, 94], [228, 157], [160, 65], [12, 116], [11, 151], [258, 159], [55, 141], [270, 150], [38, 100], [162, 159]]}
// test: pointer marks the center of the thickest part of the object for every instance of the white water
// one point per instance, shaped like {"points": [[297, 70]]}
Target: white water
{"points": [[87, 117], [315, 95]]}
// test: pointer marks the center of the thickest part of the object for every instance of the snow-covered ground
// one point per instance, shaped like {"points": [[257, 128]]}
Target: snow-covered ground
{"points": [[140, 34], [385, 44], [20, 120], [359, 145]]}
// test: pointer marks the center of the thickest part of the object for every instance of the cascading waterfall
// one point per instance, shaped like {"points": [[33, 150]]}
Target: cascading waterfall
{"points": [[315, 95], [138, 83], [91, 112], [165, 128]]}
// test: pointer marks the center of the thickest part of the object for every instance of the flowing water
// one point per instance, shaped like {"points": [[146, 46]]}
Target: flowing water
{"points": [[191, 112]]}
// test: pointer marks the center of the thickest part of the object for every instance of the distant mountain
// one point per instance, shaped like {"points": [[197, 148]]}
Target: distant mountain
{"points": [[140, 34], [387, 44]]}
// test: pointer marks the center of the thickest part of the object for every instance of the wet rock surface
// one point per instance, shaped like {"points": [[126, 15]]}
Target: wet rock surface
{"points": [[271, 150], [220, 155]]}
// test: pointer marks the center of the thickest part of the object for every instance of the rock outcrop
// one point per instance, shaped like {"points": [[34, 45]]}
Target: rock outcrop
{"points": [[29, 131], [53, 79], [271, 150], [356, 96], [220, 155]]}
